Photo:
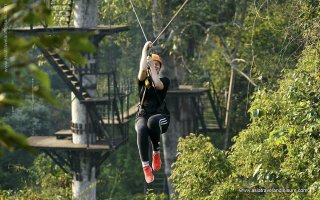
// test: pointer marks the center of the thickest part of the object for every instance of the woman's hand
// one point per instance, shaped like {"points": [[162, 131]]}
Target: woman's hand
{"points": [[143, 61], [146, 46]]}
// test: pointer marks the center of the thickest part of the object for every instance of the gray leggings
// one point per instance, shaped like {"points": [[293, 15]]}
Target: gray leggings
{"points": [[151, 127]]}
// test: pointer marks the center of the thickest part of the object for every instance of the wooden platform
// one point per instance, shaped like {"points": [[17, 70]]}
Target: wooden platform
{"points": [[99, 100], [51, 142], [132, 111], [126, 115], [187, 90], [102, 29], [114, 122]]}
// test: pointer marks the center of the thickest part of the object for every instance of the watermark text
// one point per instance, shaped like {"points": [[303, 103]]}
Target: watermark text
{"points": [[262, 190]]}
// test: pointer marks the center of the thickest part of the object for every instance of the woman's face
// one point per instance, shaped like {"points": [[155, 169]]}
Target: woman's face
{"points": [[156, 65]]}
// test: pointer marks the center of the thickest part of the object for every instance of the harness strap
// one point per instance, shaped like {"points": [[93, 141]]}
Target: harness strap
{"points": [[143, 95]]}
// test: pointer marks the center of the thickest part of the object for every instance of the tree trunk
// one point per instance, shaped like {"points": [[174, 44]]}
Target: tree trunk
{"points": [[84, 186]]}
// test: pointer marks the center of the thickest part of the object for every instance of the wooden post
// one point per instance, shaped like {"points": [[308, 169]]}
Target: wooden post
{"points": [[229, 108], [84, 183]]}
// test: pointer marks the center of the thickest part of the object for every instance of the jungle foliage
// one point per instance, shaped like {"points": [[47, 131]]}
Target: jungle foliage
{"points": [[276, 156]]}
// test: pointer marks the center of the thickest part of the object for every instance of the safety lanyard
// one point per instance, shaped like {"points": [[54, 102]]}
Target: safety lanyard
{"points": [[143, 95]]}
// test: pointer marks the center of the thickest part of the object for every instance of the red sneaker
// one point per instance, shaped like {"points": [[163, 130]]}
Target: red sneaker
{"points": [[148, 174], [156, 161]]}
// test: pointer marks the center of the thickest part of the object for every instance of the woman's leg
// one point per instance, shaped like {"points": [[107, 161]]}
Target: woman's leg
{"points": [[142, 138], [143, 146], [156, 123]]}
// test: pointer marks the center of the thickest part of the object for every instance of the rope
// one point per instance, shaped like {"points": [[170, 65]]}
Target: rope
{"points": [[170, 21], [164, 27], [134, 10]]}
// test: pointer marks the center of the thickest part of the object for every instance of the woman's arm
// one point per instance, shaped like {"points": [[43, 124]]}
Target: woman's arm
{"points": [[156, 79], [143, 61]]}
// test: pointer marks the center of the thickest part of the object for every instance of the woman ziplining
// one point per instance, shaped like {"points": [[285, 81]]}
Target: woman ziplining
{"points": [[153, 117]]}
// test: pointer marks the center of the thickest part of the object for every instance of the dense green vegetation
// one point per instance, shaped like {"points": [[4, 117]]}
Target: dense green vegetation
{"points": [[275, 124], [279, 148]]}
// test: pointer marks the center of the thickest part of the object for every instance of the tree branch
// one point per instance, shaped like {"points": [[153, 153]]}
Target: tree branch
{"points": [[231, 60]]}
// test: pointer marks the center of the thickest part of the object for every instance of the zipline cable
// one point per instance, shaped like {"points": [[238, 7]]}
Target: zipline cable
{"points": [[134, 10], [170, 21]]}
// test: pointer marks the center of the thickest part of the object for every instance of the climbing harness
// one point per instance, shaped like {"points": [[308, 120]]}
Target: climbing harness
{"points": [[164, 27]]}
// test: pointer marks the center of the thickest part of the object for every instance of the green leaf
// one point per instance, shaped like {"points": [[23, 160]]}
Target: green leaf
{"points": [[11, 140], [6, 9], [45, 94], [41, 76], [9, 95], [81, 43]]}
